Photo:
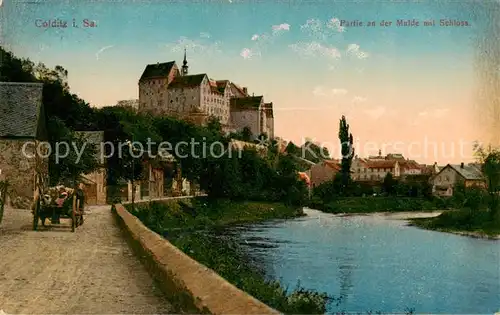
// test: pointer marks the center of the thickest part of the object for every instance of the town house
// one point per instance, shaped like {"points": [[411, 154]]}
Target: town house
{"points": [[445, 181], [22, 130], [323, 171]]}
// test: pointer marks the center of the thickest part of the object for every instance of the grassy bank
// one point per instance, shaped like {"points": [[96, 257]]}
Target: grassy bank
{"points": [[201, 213], [378, 204], [477, 223], [194, 227]]}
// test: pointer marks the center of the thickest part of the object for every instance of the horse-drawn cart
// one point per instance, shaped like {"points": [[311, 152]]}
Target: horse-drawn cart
{"points": [[56, 203]]}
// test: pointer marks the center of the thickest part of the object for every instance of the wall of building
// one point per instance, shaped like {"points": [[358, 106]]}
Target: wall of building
{"points": [[181, 101], [99, 177], [156, 183], [361, 171], [447, 178], [246, 118], [153, 95], [19, 170], [214, 103], [320, 173], [270, 127]]}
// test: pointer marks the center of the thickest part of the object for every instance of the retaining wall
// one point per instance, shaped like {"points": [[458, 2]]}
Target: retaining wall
{"points": [[191, 287]]}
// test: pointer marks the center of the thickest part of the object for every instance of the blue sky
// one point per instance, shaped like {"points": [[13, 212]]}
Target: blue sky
{"points": [[393, 83]]}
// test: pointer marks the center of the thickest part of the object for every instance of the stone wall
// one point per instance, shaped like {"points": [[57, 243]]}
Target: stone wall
{"points": [[191, 287], [19, 170]]}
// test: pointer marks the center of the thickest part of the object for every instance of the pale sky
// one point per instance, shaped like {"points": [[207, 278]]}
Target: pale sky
{"points": [[407, 90]]}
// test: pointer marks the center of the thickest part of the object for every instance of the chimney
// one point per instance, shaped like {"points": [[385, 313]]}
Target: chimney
{"points": [[245, 90], [462, 165]]}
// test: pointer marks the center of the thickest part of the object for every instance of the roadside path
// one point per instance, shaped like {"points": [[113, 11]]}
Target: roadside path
{"points": [[91, 271]]}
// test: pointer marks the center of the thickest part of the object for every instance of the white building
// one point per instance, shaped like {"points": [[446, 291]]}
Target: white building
{"points": [[164, 90]]}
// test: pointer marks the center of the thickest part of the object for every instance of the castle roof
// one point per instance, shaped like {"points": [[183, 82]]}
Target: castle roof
{"points": [[187, 81], [242, 103], [157, 70]]}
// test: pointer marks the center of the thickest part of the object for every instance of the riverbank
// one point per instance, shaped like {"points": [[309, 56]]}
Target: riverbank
{"points": [[196, 227], [365, 205], [477, 224]]}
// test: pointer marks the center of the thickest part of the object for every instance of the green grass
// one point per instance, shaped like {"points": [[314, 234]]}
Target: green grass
{"points": [[479, 222], [378, 204]]}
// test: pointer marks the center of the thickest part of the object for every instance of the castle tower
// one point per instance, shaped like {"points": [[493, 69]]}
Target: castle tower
{"points": [[184, 65]]}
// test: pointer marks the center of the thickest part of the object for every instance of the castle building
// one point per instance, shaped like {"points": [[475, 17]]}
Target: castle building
{"points": [[166, 90]]}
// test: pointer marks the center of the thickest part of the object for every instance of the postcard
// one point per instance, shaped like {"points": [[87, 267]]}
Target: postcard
{"points": [[249, 157]]}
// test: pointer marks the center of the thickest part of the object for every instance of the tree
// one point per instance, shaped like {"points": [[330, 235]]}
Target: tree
{"points": [[246, 134], [293, 149], [389, 184], [347, 149], [490, 159], [313, 152]]}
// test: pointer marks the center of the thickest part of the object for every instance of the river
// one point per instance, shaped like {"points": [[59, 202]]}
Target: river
{"points": [[379, 263]]}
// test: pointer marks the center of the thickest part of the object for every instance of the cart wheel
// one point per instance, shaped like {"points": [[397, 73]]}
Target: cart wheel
{"points": [[36, 213], [73, 222], [73, 215]]}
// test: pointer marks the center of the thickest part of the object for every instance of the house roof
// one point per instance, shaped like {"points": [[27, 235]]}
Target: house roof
{"points": [[469, 172], [409, 164], [250, 102], [380, 164], [187, 81], [215, 87], [394, 156], [334, 164], [237, 90], [157, 70], [20, 109], [222, 85]]}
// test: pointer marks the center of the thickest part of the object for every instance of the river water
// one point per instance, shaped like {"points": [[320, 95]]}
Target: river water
{"points": [[378, 263]]}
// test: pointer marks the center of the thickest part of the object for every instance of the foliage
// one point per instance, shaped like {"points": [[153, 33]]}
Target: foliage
{"points": [[490, 161], [375, 204], [461, 221], [293, 149], [81, 155], [347, 149], [243, 135], [389, 184], [313, 152]]}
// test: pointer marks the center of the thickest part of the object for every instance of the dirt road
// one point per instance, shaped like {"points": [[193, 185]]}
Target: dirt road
{"points": [[91, 271]]}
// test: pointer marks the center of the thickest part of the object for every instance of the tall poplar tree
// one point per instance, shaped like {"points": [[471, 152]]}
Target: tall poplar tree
{"points": [[347, 150]]}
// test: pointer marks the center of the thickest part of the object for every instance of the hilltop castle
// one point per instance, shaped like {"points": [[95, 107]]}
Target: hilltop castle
{"points": [[166, 90]]}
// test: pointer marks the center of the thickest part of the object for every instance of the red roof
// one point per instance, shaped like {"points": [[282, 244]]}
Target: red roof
{"points": [[410, 164], [334, 164], [380, 164]]}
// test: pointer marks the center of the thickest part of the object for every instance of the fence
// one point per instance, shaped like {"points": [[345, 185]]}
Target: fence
{"points": [[3, 197]]}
